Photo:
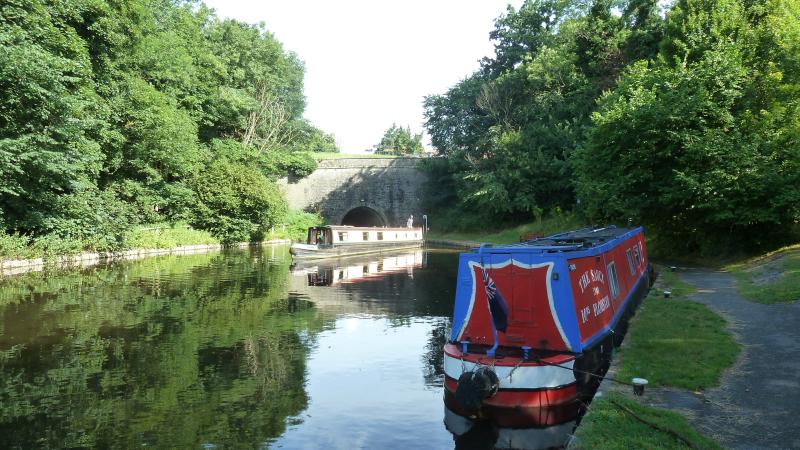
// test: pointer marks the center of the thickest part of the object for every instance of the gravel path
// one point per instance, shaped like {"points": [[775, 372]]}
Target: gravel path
{"points": [[758, 404]]}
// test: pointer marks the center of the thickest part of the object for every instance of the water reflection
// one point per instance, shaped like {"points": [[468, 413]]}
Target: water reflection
{"points": [[234, 350], [225, 350], [486, 435], [357, 269], [169, 352]]}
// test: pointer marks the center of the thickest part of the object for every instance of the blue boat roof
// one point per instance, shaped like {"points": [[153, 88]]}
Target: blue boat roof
{"points": [[569, 241]]}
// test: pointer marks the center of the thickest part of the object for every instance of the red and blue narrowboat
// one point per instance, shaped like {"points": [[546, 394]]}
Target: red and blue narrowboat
{"points": [[534, 325]]}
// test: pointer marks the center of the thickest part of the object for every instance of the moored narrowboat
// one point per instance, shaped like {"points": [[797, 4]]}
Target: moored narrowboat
{"points": [[343, 240], [534, 324]]}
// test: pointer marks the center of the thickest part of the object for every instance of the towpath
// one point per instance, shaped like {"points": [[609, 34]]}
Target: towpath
{"points": [[757, 405]]}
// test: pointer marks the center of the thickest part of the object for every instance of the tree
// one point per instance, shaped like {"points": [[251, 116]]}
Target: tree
{"points": [[236, 202], [508, 131], [700, 145], [115, 107], [399, 141]]}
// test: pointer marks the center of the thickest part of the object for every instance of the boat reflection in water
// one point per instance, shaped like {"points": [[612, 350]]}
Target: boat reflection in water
{"points": [[356, 269], [485, 434]]}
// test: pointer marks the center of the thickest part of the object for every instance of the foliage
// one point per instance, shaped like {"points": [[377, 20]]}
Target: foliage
{"points": [[309, 138], [399, 141], [14, 246], [298, 164], [608, 426], [451, 227], [296, 225], [687, 124], [167, 236], [111, 109], [508, 131], [700, 143], [236, 202], [776, 280]]}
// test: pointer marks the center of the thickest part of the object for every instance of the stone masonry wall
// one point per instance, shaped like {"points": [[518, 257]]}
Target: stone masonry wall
{"points": [[391, 186]]}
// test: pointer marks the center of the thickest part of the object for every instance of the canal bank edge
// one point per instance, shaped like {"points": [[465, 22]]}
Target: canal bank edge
{"points": [[616, 414], [19, 266]]}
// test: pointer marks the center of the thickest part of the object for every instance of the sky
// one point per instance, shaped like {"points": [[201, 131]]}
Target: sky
{"points": [[370, 63]]}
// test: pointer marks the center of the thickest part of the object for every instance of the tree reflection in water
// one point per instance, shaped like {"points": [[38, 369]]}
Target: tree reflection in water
{"points": [[167, 352]]}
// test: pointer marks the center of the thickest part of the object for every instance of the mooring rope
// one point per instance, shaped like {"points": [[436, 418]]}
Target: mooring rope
{"points": [[602, 377]]}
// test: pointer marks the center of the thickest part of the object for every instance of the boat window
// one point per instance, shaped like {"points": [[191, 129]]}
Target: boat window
{"points": [[612, 279], [415, 235], [365, 235], [636, 255], [380, 235], [342, 236], [395, 235], [630, 262]]}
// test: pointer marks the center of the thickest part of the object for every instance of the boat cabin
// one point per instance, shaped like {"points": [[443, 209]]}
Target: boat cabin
{"points": [[334, 235], [563, 292]]}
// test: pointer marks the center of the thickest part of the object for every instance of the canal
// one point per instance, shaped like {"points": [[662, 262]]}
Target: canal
{"points": [[238, 349], [227, 350]]}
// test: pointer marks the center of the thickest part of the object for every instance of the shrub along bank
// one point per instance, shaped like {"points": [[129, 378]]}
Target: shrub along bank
{"points": [[157, 236]]}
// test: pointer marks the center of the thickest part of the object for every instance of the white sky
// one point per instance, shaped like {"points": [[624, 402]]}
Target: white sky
{"points": [[369, 63]]}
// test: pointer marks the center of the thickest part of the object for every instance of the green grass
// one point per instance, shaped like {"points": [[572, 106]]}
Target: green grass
{"points": [[773, 278], [607, 426], [677, 342], [166, 236], [669, 281], [319, 156], [547, 226]]}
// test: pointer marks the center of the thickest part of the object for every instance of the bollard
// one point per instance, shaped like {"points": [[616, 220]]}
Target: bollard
{"points": [[638, 385], [667, 294]]}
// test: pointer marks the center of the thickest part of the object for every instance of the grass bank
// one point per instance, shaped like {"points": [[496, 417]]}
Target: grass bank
{"points": [[147, 237], [670, 342], [616, 421], [771, 278], [509, 235], [677, 342]]}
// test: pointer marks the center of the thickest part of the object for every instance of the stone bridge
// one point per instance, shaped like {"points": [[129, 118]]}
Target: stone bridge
{"points": [[361, 191]]}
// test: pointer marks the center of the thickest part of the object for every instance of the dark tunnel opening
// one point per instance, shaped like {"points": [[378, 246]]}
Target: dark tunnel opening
{"points": [[363, 217]]}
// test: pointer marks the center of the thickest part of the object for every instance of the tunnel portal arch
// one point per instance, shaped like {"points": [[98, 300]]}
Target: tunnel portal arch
{"points": [[364, 216]]}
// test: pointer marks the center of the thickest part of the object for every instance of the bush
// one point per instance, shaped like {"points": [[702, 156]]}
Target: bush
{"points": [[14, 246], [97, 218], [236, 202], [296, 225], [297, 164]]}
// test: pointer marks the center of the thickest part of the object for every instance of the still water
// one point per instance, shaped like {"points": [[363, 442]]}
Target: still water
{"points": [[228, 350]]}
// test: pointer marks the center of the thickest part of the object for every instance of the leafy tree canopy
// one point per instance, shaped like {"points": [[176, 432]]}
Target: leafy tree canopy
{"points": [[399, 141], [118, 105], [686, 122]]}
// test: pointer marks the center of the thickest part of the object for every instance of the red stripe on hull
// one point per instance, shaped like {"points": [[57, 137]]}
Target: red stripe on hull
{"points": [[522, 408], [558, 358]]}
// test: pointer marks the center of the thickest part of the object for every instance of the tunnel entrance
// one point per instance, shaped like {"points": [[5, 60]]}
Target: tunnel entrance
{"points": [[363, 217]]}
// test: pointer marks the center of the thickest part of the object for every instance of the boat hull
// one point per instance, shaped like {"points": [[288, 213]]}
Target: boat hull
{"points": [[540, 393], [304, 251]]}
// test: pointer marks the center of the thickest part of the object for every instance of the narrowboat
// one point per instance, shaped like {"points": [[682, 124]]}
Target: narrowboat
{"points": [[337, 241], [534, 325]]}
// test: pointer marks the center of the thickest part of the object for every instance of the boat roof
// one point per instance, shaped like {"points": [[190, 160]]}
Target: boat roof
{"points": [[569, 241]]}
